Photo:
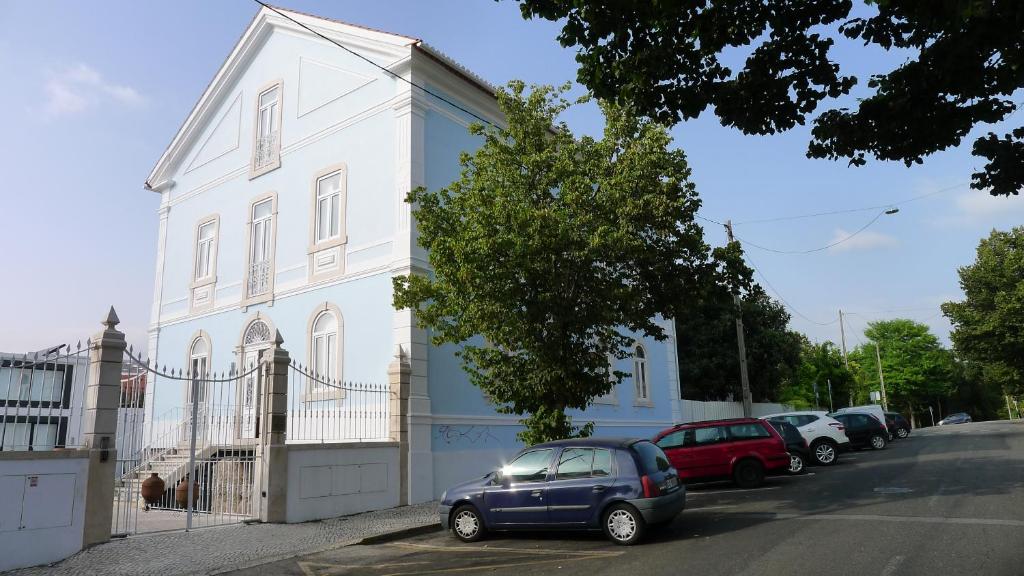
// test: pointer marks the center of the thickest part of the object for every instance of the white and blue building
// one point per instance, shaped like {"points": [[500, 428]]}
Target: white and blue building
{"points": [[282, 209]]}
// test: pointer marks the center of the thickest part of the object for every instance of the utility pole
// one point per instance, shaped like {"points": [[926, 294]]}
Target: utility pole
{"points": [[830, 408], [748, 409], [842, 336], [881, 379], [1009, 413], [846, 361]]}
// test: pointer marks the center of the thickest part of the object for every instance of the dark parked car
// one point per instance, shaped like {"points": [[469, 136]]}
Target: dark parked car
{"points": [[744, 449], [799, 453], [890, 426], [863, 430], [621, 486], [958, 418], [899, 424]]}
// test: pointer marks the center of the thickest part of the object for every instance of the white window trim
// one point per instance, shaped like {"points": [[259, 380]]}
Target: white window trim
{"points": [[638, 400], [210, 281], [267, 296], [337, 244], [189, 356], [276, 163], [311, 394]]}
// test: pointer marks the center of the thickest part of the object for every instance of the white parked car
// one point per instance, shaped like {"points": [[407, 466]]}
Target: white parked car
{"points": [[825, 435]]}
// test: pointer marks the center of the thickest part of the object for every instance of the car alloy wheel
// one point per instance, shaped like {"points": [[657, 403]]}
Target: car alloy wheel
{"points": [[825, 453], [902, 433], [796, 464], [621, 525], [467, 524], [877, 442]]}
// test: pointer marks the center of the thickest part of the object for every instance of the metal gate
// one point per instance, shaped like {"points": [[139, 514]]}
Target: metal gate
{"points": [[199, 439]]}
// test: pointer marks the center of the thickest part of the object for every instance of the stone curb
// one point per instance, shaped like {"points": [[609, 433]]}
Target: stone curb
{"points": [[389, 536], [401, 533]]}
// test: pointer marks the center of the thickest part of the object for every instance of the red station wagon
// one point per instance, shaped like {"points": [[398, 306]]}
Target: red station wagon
{"points": [[744, 449]]}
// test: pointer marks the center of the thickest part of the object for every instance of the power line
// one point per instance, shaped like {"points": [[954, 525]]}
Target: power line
{"points": [[374, 64], [783, 300], [820, 248], [853, 210]]}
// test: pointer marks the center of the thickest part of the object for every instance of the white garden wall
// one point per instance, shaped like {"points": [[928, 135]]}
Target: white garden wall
{"points": [[42, 506], [330, 480]]}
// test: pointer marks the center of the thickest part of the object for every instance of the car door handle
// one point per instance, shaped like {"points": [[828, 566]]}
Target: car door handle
{"points": [[535, 493], [599, 488]]}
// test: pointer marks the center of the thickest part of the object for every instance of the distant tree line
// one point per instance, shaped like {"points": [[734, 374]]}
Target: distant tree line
{"points": [[980, 374]]}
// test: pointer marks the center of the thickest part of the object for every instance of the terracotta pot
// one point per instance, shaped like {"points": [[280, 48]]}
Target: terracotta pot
{"points": [[153, 488], [181, 493]]}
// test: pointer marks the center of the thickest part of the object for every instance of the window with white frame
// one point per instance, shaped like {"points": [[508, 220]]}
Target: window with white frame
{"points": [[199, 363], [324, 347], [261, 247], [643, 393], [205, 239], [328, 207], [266, 152]]}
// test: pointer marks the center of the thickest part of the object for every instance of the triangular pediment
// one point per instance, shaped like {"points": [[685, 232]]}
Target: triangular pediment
{"points": [[223, 137], [194, 145]]}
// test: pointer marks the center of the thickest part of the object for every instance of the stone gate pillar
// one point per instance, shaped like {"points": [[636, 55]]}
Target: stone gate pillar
{"points": [[400, 376], [273, 453], [99, 428]]}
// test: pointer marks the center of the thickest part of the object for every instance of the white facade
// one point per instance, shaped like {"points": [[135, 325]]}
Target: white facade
{"points": [[282, 208]]}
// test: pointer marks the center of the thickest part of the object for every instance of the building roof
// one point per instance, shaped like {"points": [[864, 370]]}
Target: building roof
{"points": [[249, 41]]}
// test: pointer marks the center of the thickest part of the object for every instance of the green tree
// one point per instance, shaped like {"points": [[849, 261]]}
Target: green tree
{"points": [[915, 366], [820, 363], [964, 61], [988, 324], [556, 250], [706, 335]]}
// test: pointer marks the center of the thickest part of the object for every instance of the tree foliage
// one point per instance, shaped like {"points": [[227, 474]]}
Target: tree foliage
{"points": [[966, 60], [821, 364], [988, 325], [557, 250], [915, 365], [706, 334]]}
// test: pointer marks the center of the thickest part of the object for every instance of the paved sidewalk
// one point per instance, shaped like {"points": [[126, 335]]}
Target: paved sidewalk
{"points": [[223, 549]]}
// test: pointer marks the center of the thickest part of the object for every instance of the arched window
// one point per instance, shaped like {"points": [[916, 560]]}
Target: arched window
{"points": [[324, 346], [643, 393], [199, 366], [257, 333]]}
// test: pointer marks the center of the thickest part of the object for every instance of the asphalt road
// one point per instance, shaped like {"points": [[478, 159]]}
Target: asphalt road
{"points": [[944, 501]]}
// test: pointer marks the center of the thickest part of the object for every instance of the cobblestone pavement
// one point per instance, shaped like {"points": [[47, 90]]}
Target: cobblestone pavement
{"points": [[222, 549]]}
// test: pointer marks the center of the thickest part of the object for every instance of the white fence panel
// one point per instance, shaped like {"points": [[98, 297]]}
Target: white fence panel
{"points": [[696, 411]]}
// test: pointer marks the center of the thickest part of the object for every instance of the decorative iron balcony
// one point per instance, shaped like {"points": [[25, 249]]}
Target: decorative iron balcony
{"points": [[259, 278], [267, 151]]}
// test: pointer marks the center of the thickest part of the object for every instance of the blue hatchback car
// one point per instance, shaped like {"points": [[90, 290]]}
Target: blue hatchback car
{"points": [[618, 485]]}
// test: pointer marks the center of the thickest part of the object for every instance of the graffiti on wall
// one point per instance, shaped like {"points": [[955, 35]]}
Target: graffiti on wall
{"points": [[452, 434]]}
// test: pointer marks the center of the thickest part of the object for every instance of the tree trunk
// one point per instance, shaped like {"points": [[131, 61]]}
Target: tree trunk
{"points": [[913, 417]]}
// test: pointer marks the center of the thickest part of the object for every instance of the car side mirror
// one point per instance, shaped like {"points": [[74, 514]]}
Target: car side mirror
{"points": [[498, 476]]}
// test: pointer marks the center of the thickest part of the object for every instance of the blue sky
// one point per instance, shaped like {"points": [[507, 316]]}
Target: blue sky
{"points": [[95, 91]]}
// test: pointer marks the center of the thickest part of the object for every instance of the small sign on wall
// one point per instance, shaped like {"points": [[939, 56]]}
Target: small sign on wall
{"points": [[33, 481]]}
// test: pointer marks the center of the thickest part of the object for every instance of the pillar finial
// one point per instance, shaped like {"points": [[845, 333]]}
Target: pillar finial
{"points": [[112, 320]]}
